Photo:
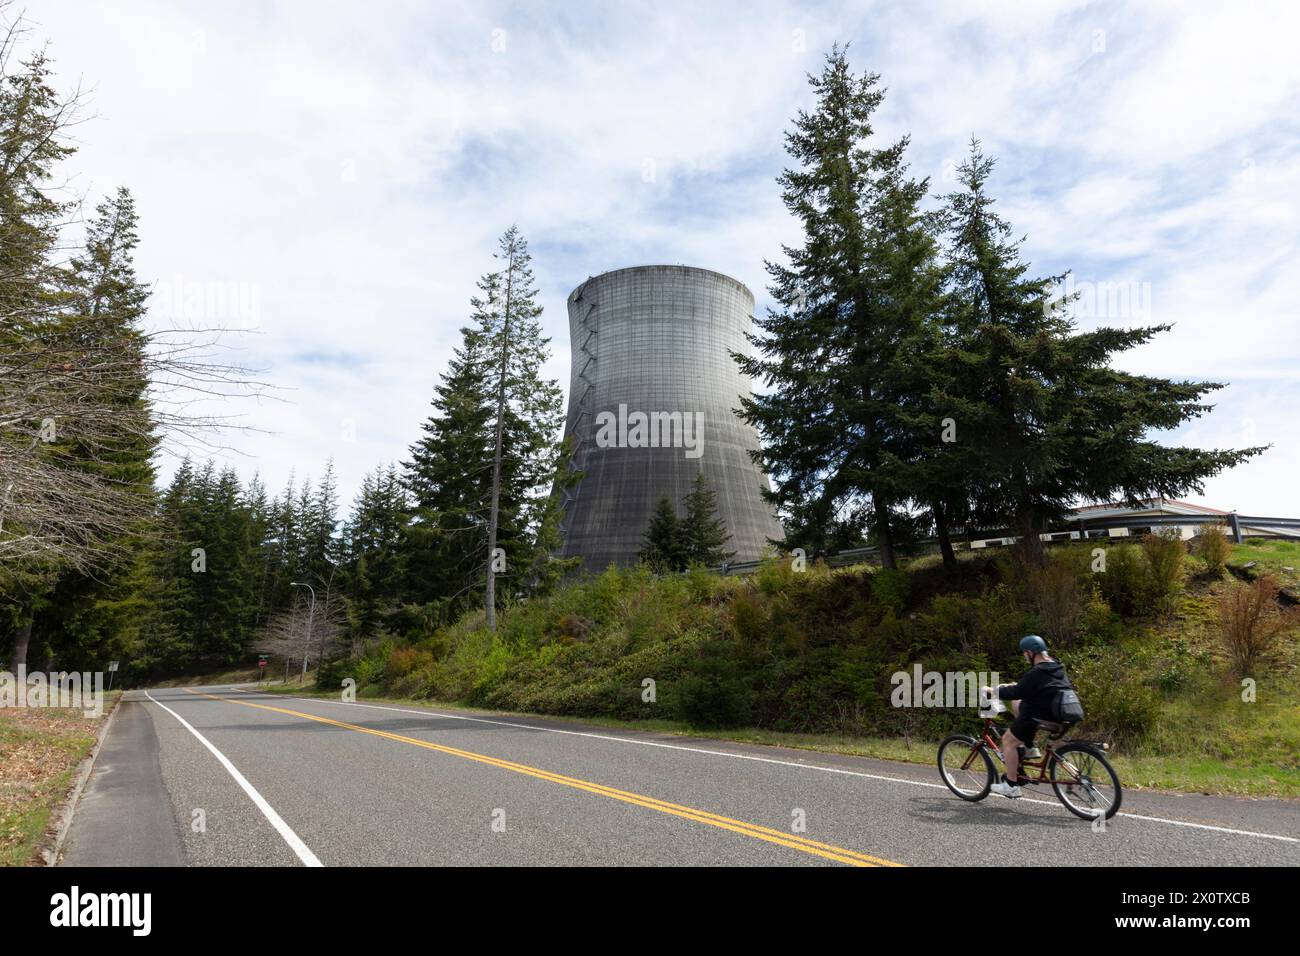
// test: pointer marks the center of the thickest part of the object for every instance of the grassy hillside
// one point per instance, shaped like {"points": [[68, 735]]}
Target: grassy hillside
{"points": [[802, 657]]}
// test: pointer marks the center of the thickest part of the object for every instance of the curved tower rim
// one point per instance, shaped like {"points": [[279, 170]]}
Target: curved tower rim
{"points": [[660, 265]]}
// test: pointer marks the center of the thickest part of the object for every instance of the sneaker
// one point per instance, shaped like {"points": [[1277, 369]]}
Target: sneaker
{"points": [[1005, 789], [1033, 753]]}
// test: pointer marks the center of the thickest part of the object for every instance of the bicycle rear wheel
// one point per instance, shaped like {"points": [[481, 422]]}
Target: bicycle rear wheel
{"points": [[1085, 781], [966, 767]]}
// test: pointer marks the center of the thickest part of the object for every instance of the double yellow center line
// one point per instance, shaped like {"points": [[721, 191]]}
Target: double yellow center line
{"points": [[789, 840]]}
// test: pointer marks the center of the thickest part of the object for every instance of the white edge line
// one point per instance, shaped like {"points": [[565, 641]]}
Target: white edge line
{"points": [[295, 842], [726, 753]]}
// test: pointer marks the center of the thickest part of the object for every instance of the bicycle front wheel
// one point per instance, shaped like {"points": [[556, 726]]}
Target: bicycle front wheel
{"points": [[966, 767], [1085, 782]]}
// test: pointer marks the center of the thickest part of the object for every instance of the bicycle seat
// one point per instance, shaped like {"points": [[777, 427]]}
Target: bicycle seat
{"points": [[1051, 726]]}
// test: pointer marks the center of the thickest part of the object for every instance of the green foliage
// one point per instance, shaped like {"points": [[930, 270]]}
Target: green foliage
{"points": [[845, 348], [889, 590], [704, 536], [1123, 583], [493, 381], [1211, 545], [1164, 583], [698, 539], [1177, 668], [716, 693], [1120, 705], [664, 548]]}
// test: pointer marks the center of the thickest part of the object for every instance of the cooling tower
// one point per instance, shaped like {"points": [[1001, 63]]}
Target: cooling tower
{"points": [[651, 403]]}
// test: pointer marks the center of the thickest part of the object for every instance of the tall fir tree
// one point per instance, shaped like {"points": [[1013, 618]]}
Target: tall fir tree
{"points": [[527, 411], [95, 615], [704, 536], [449, 480], [839, 355], [664, 548], [372, 552], [1048, 419], [481, 477]]}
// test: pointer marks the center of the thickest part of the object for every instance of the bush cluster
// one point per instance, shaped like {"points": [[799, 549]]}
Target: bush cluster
{"points": [[810, 650]]}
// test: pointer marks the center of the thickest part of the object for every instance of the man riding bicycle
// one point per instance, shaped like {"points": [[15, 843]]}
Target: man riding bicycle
{"points": [[1034, 697]]}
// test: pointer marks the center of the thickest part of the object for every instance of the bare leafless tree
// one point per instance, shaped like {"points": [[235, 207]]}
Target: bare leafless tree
{"points": [[286, 635]]}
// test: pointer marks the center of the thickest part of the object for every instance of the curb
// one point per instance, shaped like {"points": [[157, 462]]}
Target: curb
{"points": [[51, 854]]}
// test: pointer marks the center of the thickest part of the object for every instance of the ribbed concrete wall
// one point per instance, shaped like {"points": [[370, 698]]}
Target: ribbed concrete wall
{"points": [[657, 339]]}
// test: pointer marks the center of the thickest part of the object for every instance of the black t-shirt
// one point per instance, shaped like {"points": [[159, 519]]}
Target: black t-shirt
{"points": [[1037, 690]]}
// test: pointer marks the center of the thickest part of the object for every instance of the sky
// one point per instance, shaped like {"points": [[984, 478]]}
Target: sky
{"points": [[330, 180]]}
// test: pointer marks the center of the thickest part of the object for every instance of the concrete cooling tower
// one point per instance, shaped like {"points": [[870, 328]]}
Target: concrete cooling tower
{"points": [[650, 406]]}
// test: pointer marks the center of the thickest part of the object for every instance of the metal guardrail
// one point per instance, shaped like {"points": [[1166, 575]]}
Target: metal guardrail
{"points": [[1077, 528]]}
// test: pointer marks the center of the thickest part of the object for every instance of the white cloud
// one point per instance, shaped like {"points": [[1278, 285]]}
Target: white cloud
{"points": [[353, 166]]}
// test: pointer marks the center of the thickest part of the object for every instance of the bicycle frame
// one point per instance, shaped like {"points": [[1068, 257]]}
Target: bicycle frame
{"points": [[992, 739]]}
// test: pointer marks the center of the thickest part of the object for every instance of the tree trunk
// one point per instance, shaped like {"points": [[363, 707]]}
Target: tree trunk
{"points": [[21, 640], [945, 537], [1028, 543], [490, 592], [884, 536]]}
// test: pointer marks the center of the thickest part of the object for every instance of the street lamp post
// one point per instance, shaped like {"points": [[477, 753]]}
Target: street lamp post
{"points": [[311, 614]]}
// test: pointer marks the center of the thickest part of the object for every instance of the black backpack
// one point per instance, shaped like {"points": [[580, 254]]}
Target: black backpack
{"points": [[1069, 709], [1066, 708]]}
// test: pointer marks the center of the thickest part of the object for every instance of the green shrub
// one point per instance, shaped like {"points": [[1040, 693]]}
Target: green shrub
{"points": [[1118, 703], [1123, 583], [717, 692], [1099, 624], [370, 667], [1164, 581], [1060, 596], [708, 701], [1177, 668], [750, 617], [889, 590], [1211, 546], [775, 574], [330, 675]]}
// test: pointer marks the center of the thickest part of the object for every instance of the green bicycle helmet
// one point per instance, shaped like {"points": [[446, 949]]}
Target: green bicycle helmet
{"points": [[1033, 643]]}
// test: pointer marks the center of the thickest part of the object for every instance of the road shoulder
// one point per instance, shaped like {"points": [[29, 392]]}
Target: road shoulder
{"points": [[124, 816]]}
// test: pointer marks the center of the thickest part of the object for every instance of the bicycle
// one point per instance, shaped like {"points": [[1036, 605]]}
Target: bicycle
{"points": [[1078, 771]]}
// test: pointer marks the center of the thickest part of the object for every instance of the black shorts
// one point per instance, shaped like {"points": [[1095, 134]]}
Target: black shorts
{"points": [[1023, 729]]}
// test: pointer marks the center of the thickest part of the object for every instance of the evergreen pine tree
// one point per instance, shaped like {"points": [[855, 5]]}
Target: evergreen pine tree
{"points": [[840, 353], [1053, 421], [102, 312], [527, 411], [373, 552], [490, 448], [703, 535], [33, 140], [448, 478], [664, 548]]}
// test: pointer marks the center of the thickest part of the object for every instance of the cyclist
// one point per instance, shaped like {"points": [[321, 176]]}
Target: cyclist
{"points": [[1033, 696]]}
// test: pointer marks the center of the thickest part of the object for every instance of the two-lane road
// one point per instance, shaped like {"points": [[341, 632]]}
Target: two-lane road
{"points": [[229, 776]]}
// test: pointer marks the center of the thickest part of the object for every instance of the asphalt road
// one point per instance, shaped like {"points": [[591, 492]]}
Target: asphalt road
{"points": [[279, 780]]}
